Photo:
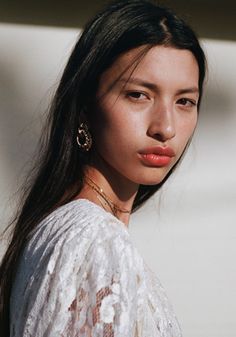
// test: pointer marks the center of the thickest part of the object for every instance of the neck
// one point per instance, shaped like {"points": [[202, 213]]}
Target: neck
{"points": [[119, 191]]}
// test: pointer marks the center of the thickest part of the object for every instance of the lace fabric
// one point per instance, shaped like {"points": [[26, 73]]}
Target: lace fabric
{"points": [[81, 276]]}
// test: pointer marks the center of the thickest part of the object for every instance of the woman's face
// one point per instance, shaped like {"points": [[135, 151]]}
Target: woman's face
{"points": [[143, 121]]}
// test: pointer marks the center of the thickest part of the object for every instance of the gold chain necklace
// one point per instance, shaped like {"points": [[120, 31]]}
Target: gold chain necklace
{"points": [[114, 208]]}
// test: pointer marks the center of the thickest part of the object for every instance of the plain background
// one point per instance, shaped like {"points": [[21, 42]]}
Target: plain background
{"points": [[187, 234]]}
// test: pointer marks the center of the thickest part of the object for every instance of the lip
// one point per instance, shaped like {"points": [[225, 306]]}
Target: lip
{"points": [[157, 156]]}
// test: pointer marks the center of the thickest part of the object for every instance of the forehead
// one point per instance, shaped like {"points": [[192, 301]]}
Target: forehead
{"points": [[165, 66]]}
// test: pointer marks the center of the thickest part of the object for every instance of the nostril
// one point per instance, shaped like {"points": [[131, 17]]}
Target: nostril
{"points": [[160, 137], [162, 134]]}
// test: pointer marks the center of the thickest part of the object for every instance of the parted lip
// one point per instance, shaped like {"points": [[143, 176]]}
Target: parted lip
{"points": [[158, 150]]}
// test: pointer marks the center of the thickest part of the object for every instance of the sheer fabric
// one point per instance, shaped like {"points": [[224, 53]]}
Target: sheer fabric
{"points": [[81, 276]]}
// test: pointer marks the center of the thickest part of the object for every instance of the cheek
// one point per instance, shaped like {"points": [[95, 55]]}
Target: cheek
{"points": [[116, 125], [119, 135], [186, 130]]}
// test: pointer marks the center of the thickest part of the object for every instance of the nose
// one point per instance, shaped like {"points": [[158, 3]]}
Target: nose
{"points": [[162, 124]]}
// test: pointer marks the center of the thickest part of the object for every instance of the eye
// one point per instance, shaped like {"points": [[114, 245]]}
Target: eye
{"points": [[137, 95], [187, 102]]}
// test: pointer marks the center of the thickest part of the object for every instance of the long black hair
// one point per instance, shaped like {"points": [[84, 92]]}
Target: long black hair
{"points": [[58, 174]]}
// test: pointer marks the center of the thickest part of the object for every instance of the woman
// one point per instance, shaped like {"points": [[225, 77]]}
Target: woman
{"points": [[122, 117]]}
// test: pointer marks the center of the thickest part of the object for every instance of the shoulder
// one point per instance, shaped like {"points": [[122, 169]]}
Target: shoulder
{"points": [[76, 240], [73, 220], [78, 255], [74, 231]]}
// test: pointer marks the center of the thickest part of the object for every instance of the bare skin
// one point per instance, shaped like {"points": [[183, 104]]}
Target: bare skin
{"points": [[156, 107]]}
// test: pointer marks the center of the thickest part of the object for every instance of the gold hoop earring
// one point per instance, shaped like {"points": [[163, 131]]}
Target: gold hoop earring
{"points": [[84, 138]]}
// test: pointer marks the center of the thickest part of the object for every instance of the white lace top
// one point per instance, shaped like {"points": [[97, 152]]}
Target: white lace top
{"points": [[81, 276]]}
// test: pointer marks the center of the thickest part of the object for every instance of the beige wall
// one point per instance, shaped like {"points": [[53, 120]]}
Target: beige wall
{"points": [[191, 242]]}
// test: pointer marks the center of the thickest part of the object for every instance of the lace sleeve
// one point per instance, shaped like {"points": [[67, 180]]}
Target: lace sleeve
{"points": [[84, 284], [105, 302], [81, 276]]}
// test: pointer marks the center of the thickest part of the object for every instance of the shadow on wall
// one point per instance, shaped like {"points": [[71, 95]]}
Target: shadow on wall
{"points": [[211, 19], [219, 100], [16, 141]]}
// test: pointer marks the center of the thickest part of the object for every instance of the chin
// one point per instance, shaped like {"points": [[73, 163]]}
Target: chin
{"points": [[151, 177], [150, 180]]}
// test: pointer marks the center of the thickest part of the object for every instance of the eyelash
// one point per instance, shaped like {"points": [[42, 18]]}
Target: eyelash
{"points": [[133, 95], [187, 100]]}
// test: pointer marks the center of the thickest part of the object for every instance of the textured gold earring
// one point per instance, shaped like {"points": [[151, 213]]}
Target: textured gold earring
{"points": [[84, 138]]}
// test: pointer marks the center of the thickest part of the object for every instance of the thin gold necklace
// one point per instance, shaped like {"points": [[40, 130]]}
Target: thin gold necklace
{"points": [[114, 208]]}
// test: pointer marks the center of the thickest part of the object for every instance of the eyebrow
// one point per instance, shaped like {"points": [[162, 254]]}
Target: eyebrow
{"points": [[154, 87]]}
